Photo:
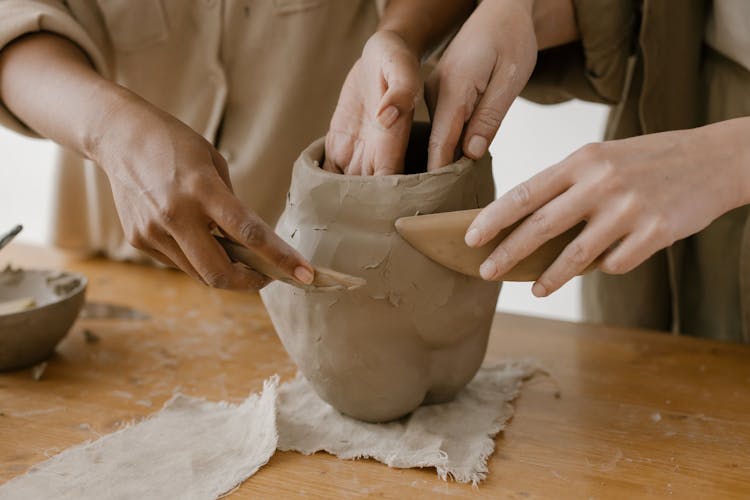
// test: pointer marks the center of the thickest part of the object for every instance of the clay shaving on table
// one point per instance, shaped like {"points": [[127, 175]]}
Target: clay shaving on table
{"points": [[231, 442]]}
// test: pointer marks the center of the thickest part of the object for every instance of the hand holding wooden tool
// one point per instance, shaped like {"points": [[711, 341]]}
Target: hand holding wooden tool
{"points": [[324, 280], [441, 238]]}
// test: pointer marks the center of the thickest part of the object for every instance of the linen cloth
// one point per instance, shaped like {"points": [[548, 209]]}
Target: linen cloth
{"points": [[456, 438], [196, 449], [191, 449]]}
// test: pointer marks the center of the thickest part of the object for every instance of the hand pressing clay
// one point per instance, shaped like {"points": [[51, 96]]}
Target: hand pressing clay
{"points": [[416, 333]]}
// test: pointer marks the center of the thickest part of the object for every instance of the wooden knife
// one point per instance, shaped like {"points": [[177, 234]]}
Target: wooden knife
{"points": [[324, 280]]}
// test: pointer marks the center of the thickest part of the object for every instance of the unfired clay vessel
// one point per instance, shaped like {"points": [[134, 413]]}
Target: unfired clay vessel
{"points": [[416, 332]]}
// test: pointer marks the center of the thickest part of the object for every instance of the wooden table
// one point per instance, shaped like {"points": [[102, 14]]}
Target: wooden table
{"points": [[639, 414]]}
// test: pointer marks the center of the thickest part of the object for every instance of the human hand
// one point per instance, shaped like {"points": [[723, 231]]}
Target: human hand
{"points": [[170, 186], [370, 128], [483, 70], [636, 195], [171, 189]]}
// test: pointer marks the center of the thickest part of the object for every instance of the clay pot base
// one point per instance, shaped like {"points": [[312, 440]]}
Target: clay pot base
{"points": [[416, 332]]}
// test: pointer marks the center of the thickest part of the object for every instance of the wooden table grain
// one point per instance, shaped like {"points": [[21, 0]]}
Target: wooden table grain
{"points": [[630, 413]]}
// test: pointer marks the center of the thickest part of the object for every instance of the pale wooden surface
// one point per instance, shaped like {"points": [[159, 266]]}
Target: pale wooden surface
{"points": [[640, 414]]}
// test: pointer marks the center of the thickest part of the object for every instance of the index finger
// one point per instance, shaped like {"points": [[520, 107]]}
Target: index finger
{"points": [[207, 257], [515, 204], [251, 231], [447, 97]]}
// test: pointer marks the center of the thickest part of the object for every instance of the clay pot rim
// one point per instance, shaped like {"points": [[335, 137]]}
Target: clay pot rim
{"points": [[81, 288], [311, 159]]}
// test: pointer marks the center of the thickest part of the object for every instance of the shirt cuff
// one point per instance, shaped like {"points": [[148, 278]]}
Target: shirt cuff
{"points": [[21, 17]]}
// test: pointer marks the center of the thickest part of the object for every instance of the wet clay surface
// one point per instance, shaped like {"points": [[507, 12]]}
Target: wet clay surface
{"points": [[417, 331]]}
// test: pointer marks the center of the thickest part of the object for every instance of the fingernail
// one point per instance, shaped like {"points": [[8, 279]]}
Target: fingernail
{"points": [[488, 269], [388, 117], [538, 290], [477, 146], [473, 237], [304, 275]]}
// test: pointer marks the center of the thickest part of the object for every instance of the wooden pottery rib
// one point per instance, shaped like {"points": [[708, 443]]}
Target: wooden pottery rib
{"points": [[441, 238]]}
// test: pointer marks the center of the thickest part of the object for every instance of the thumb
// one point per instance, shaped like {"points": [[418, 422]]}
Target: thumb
{"points": [[220, 163]]}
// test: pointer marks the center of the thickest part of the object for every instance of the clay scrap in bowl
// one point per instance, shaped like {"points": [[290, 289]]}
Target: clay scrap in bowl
{"points": [[37, 308]]}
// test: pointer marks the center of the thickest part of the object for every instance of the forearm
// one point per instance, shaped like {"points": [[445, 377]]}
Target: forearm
{"points": [[49, 84], [554, 23], [424, 24], [723, 147]]}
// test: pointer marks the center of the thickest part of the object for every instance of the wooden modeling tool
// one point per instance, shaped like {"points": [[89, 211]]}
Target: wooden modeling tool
{"points": [[8, 237], [325, 279], [441, 238]]}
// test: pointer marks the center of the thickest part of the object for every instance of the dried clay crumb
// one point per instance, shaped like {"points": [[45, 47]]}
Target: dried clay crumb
{"points": [[63, 289], [90, 337], [38, 370]]}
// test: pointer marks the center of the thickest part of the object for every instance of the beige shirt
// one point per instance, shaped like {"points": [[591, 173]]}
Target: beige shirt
{"points": [[258, 78], [728, 29]]}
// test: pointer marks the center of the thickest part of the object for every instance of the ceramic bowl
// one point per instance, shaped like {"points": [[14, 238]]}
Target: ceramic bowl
{"points": [[30, 336]]}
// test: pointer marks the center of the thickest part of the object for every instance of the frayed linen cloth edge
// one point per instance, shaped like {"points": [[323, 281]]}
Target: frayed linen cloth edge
{"points": [[525, 369], [517, 371]]}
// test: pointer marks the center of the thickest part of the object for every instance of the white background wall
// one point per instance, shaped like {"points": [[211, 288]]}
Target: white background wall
{"points": [[25, 185], [531, 138]]}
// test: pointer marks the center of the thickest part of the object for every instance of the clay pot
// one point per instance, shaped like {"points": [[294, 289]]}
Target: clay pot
{"points": [[417, 332]]}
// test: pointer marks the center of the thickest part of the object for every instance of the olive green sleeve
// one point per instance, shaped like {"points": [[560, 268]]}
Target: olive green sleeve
{"points": [[594, 68]]}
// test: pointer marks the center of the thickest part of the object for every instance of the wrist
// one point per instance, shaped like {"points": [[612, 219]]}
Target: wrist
{"points": [[123, 117], [722, 147], [424, 24], [740, 131], [412, 43]]}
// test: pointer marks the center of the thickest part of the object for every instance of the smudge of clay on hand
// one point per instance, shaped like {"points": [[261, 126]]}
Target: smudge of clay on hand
{"points": [[416, 332], [512, 70]]}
